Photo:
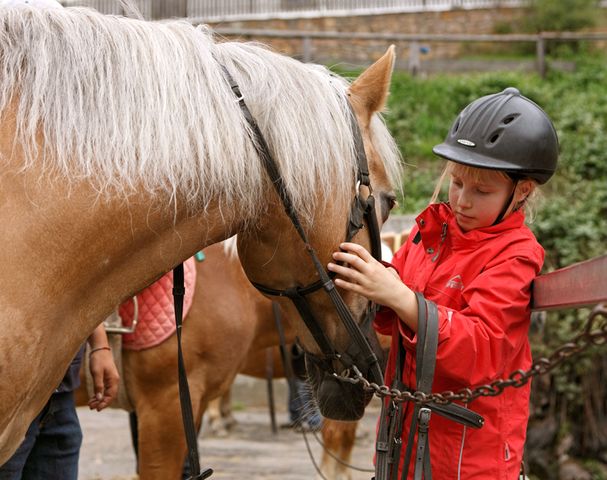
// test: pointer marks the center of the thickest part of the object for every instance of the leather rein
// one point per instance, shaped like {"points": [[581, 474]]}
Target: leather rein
{"points": [[359, 354]]}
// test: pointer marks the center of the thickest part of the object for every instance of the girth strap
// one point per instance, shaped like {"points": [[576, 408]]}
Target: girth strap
{"points": [[425, 360]]}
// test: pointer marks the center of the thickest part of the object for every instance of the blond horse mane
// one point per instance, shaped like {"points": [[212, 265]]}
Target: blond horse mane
{"points": [[127, 104]]}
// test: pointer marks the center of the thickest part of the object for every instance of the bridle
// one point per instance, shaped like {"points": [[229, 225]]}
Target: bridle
{"points": [[359, 354]]}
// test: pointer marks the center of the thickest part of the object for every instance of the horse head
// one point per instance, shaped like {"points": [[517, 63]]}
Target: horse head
{"points": [[278, 260]]}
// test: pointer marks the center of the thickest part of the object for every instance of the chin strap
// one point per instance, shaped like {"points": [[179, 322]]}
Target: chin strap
{"points": [[500, 217]]}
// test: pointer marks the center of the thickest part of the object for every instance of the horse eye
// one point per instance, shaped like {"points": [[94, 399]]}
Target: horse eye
{"points": [[388, 203]]}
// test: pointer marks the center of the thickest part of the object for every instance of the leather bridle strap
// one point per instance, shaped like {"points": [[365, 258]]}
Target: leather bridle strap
{"points": [[191, 435], [325, 280], [389, 444]]}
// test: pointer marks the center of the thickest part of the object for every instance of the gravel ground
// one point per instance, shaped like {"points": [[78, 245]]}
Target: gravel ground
{"points": [[250, 451]]}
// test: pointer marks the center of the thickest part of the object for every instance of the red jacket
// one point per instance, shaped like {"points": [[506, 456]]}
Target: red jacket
{"points": [[480, 281]]}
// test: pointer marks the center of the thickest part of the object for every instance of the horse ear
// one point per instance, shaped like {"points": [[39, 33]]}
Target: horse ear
{"points": [[370, 90]]}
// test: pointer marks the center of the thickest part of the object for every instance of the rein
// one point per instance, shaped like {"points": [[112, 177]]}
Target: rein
{"points": [[191, 434], [359, 356], [360, 351]]}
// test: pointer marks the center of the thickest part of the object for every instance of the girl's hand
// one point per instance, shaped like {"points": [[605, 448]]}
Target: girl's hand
{"points": [[364, 275], [368, 277]]}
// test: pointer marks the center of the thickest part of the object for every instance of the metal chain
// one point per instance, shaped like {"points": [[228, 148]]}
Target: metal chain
{"points": [[594, 333]]}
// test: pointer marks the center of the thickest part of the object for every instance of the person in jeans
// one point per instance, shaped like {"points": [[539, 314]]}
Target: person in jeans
{"points": [[51, 448]]}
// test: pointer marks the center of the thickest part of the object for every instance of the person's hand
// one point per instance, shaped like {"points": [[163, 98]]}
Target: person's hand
{"points": [[366, 276], [105, 379]]}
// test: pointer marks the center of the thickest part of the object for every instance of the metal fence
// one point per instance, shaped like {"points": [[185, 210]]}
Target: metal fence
{"points": [[221, 10]]}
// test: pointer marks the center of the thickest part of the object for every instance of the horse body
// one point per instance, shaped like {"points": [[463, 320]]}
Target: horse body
{"points": [[123, 152], [228, 320]]}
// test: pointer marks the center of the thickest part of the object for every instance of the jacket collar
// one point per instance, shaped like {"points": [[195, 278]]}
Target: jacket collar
{"points": [[430, 223]]}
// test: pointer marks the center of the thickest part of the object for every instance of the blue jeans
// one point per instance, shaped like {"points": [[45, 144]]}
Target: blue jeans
{"points": [[302, 407], [51, 447]]}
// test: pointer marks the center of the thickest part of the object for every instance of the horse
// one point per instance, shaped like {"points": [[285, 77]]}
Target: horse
{"points": [[228, 329], [228, 320], [125, 148]]}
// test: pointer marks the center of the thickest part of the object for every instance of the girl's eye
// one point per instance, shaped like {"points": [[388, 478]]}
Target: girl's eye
{"points": [[482, 192]]}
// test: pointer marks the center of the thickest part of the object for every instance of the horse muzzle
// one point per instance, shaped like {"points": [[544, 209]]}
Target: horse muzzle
{"points": [[337, 399]]}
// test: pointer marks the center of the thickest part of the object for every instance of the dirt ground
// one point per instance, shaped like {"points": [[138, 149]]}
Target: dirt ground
{"points": [[250, 451]]}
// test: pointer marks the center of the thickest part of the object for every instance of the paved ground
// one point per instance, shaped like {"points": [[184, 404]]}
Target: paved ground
{"points": [[252, 451]]}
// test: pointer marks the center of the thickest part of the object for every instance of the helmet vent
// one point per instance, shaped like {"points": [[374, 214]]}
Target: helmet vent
{"points": [[509, 119], [456, 126], [494, 137]]}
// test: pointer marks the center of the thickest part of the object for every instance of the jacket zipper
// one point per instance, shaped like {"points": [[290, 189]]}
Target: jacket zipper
{"points": [[443, 235]]}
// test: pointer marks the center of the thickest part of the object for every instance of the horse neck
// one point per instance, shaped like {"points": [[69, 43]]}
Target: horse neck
{"points": [[69, 260]]}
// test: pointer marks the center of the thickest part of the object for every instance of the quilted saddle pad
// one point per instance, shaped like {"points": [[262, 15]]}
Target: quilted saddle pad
{"points": [[156, 320]]}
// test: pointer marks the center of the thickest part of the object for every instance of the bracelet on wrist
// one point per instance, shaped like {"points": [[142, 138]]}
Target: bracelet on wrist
{"points": [[93, 350]]}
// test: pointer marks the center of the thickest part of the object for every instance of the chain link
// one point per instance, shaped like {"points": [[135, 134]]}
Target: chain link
{"points": [[594, 333]]}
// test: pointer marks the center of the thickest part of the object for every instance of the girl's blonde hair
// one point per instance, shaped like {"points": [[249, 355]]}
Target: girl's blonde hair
{"points": [[478, 174]]}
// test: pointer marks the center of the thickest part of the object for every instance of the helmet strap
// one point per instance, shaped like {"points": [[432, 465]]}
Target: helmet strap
{"points": [[508, 203]]}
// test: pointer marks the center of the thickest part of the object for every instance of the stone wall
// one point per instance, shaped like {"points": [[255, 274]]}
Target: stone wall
{"points": [[359, 52]]}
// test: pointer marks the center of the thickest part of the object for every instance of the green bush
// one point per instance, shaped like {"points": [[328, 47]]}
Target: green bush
{"points": [[561, 15]]}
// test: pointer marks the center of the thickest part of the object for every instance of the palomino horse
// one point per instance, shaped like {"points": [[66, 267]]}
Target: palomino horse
{"points": [[123, 151]]}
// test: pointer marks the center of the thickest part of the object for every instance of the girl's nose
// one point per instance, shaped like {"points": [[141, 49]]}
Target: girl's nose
{"points": [[464, 200]]}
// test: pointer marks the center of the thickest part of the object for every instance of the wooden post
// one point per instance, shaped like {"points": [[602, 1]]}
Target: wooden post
{"points": [[414, 61], [306, 46], [541, 55]]}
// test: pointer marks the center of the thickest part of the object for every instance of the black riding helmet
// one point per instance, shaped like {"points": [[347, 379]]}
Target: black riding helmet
{"points": [[504, 131]]}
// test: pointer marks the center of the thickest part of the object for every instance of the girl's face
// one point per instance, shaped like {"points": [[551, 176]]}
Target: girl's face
{"points": [[477, 196]]}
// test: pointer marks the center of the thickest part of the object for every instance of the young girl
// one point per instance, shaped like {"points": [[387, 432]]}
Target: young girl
{"points": [[475, 259]]}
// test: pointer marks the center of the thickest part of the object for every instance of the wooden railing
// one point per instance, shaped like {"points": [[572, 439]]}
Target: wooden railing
{"points": [[414, 40], [582, 284]]}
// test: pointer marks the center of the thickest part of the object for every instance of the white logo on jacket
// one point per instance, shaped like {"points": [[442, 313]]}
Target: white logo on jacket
{"points": [[455, 282]]}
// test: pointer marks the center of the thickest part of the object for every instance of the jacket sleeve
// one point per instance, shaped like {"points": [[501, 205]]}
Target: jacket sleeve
{"points": [[476, 343], [385, 318]]}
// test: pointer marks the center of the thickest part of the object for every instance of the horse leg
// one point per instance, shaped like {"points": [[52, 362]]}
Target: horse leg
{"points": [[226, 410], [214, 418], [220, 416], [155, 395], [338, 438], [162, 447]]}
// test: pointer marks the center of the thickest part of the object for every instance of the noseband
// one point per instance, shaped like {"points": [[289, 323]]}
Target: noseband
{"points": [[359, 353]]}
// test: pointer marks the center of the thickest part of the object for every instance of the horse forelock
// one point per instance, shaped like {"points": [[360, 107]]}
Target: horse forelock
{"points": [[127, 104]]}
